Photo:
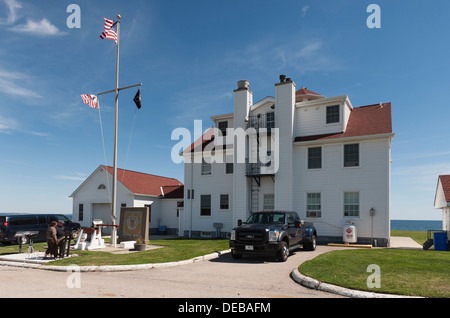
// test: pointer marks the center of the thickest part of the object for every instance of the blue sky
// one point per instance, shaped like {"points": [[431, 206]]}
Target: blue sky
{"points": [[189, 54]]}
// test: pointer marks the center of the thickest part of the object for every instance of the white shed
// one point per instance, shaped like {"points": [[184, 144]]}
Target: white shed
{"points": [[164, 197], [442, 200]]}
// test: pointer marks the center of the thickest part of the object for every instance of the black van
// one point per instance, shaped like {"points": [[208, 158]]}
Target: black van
{"points": [[10, 224]]}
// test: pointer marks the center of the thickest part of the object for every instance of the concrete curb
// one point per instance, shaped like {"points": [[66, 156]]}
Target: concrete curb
{"points": [[346, 292], [112, 268]]}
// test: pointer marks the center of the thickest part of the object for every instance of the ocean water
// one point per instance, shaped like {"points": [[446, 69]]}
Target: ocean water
{"points": [[69, 216], [396, 225], [415, 225]]}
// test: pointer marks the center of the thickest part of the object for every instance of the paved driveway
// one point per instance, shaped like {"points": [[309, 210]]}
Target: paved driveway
{"points": [[222, 277]]}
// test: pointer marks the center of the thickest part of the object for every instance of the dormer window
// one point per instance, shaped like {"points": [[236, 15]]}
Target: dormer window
{"points": [[333, 114], [102, 187]]}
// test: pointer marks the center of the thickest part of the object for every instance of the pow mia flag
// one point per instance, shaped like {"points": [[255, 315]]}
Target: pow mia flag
{"points": [[137, 99]]}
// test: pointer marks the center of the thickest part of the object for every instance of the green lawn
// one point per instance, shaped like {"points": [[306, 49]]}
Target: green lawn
{"points": [[403, 272]]}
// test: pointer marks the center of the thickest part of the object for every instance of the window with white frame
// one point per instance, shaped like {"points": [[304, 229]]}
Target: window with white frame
{"points": [[229, 168], [315, 158], [80, 212], [313, 205], [269, 201], [223, 125], [351, 204], [224, 201], [270, 120], [206, 168], [205, 205], [333, 114], [351, 155]]}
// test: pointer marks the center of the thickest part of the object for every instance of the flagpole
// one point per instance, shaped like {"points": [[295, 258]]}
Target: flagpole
{"points": [[120, 89], [116, 122]]}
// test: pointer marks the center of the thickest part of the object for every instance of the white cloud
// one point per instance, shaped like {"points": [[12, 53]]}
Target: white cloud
{"points": [[301, 56], [43, 27], [309, 50], [8, 86], [11, 88], [71, 178], [7, 125], [12, 14], [198, 103], [422, 176], [304, 9]]}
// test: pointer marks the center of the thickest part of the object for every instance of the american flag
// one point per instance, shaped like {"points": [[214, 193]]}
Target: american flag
{"points": [[110, 30], [90, 100]]}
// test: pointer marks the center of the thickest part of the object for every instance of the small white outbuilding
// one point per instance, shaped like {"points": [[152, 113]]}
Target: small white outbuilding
{"points": [[442, 200], [163, 196]]}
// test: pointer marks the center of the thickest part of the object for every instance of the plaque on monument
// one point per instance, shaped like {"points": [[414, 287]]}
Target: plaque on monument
{"points": [[134, 223]]}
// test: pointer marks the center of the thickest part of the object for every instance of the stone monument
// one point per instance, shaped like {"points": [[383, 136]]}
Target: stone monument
{"points": [[134, 224]]}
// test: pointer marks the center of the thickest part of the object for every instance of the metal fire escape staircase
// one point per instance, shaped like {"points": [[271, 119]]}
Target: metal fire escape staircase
{"points": [[254, 170], [254, 195]]}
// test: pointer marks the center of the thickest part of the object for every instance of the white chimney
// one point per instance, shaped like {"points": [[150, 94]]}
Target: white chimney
{"points": [[284, 119], [243, 99]]}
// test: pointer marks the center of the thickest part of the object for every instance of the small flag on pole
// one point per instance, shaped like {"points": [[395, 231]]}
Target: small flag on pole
{"points": [[137, 99], [110, 30], [90, 100]]}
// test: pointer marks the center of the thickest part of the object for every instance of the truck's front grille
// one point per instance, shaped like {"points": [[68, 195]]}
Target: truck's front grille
{"points": [[250, 236]]}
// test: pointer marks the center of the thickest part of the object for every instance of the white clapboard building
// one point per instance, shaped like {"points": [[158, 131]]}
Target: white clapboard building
{"points": [[442, 200], [297, 151], [163, 196]]}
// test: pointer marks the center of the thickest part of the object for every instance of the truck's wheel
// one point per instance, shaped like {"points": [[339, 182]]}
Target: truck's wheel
{"points": [[310, 246], [284, 252]]}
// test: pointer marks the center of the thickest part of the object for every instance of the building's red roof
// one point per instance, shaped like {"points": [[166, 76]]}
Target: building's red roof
{"points": [[203, 141], [143, 183], [173, 192], [305, 91], [445, 181], [363, 121]]}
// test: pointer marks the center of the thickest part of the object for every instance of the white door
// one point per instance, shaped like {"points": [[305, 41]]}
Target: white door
{"points": [[103, 212]]}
